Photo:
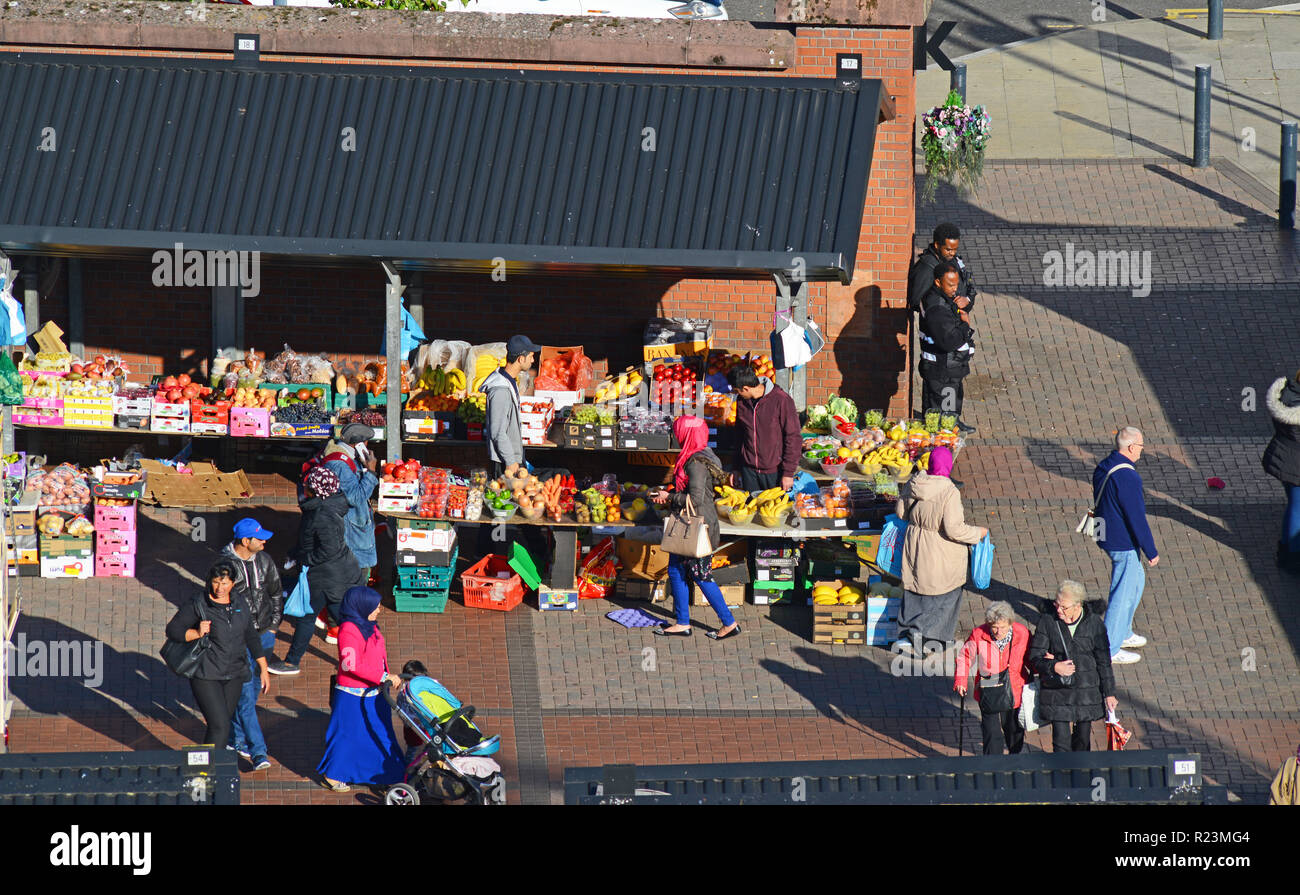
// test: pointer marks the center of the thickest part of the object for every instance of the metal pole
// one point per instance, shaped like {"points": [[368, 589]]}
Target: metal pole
{"points": [[1286, 183], [1214, 31], [958, 79], [1201, 147], [393, 343]]}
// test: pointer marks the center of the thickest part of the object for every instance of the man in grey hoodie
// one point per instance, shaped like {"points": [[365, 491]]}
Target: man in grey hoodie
{"points": [[503, 430]]}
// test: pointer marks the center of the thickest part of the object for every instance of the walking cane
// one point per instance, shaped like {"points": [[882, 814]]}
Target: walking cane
{"points": [[961, 725]]}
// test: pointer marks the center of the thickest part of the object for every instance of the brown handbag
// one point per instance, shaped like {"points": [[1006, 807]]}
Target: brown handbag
{"points": [[686, 533]]}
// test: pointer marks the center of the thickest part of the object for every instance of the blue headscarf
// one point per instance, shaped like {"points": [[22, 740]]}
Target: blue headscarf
{"points": [[358, 603]]}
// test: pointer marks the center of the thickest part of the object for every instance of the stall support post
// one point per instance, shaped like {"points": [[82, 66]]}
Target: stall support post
{"points": [[793, 297], [76, 310], [31, 300], [227, 320], [393, 343]]}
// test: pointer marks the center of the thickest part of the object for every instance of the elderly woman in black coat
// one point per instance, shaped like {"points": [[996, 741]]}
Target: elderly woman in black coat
{"points": [[1071, 654], [1282, 461]]}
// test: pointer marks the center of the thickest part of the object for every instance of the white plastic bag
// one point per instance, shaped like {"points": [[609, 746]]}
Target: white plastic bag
{"points": [[789, 344], [476, 373]]}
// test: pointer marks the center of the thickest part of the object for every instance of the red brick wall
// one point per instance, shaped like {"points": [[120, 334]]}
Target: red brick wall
{"points": [[340, 312]]}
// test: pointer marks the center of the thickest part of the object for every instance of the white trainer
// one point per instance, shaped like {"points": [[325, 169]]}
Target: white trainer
{"points": [[1135, 641], [1124, 657]]}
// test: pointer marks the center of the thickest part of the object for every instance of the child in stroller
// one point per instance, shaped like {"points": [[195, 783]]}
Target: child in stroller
{"points": [[447, 755]]}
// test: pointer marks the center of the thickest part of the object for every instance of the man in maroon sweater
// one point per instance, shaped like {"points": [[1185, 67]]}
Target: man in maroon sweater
{"points": [[767, 424]]}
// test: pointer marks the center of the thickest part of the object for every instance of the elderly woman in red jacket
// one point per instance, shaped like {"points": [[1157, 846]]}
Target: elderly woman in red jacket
{"points": [[995, 652]]}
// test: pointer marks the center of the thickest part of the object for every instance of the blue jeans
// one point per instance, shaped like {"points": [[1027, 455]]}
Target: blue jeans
{"points": [[680, 583], [1291, 519], [1127, 579], [245, 732]]}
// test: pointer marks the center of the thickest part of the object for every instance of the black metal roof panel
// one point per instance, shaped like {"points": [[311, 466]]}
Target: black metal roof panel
{"points": [[711, 173]]}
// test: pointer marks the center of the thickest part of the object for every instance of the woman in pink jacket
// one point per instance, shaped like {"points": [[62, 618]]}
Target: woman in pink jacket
{"points": [[995, 653], [360, 746]]}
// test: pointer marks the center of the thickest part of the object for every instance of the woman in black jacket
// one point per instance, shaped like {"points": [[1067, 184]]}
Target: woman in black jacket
{"points": [[1282, 461], [697, 469], [227, 622], [323, 550], [1071, 654]]}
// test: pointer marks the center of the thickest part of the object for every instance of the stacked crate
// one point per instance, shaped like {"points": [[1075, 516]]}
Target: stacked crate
{"points": [[20, 539], [535, 419], [776, 572], [115, 541], [426, 560], [65, 555]]}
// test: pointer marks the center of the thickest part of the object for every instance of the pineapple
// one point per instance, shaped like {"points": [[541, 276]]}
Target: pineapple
{"points": [[932, 421]]}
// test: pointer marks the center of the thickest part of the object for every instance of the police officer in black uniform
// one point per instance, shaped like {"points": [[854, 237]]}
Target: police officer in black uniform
{"points": [[946, 345], [943, 247]]}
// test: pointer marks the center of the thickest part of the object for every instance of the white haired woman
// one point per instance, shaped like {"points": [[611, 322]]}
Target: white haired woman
{"points": [[1071, 654], [995, 653]]}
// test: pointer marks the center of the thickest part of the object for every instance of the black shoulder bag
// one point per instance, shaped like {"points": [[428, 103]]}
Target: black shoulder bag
{"points": [[996, 694], [183, 657]]}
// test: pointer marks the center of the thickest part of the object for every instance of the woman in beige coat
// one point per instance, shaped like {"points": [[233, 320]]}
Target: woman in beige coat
{"points": [[935, 554]]}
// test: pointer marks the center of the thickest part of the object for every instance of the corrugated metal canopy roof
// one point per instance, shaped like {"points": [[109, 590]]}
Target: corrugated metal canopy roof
{"points": [[436, 167]]}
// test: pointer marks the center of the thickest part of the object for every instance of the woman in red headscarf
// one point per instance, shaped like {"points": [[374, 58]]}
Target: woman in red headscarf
{"points": [[697, 470]]}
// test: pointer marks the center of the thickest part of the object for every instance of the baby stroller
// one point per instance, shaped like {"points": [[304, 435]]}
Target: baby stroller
{"points": [[450, 763]]}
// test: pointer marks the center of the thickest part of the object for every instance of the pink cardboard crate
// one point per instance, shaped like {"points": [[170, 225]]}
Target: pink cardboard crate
{"points": [[46, 403], [115, 540], [250, 422], [114, 566], [110, 518]]}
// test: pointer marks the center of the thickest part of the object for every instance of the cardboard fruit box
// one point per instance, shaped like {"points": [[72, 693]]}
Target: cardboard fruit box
{"points": [[205, 486]]}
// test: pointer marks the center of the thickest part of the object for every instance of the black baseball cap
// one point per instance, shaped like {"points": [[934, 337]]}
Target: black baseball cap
{"points": [[520, 345]]}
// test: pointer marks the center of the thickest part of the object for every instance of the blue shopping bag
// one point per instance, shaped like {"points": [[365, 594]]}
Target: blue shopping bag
{"points": [[299, 603], [889, 555], [981, 563]]}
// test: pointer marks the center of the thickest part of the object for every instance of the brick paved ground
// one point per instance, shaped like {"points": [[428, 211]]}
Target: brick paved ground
{"points": [[1057, 371]]}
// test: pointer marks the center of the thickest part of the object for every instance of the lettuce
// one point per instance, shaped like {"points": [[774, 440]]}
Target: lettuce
{"points": [[838, 406]]}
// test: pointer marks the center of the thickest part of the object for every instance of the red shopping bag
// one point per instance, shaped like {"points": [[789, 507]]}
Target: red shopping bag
{"points": [[1116, 736]]}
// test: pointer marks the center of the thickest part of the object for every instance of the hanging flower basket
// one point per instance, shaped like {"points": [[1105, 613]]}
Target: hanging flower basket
{"points": [[953, 138]]}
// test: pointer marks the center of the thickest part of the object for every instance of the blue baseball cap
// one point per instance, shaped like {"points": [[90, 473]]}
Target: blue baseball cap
{"points": [[251, 528]]}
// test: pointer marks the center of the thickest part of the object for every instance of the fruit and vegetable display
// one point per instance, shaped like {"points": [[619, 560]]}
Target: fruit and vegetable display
{"points": [[772, 506], [673, 383], [442, 382], [302, 415], [428, 402], [567, 371], [625, 385], [289, 396], [850, 594], [375, 419], [406, 472], [590, 414], [821, 416], [35, 386], [62, 486], [603, 507], [180, 389], [557, 494], [88, 388], [54, 524], [830, 503], [291, 367], [473, 409]]}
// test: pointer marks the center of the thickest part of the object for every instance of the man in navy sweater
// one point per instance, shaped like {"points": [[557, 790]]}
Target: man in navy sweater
{"points": [[1123, 531]]}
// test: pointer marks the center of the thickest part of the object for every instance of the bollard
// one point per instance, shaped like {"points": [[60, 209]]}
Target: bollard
{"points": [[1201, 141], [958, 80], [1214, 31], [1286, 178]]}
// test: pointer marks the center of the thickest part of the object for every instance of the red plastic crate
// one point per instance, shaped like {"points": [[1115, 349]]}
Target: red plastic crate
{"points": [[215, 415], [484, 590]]}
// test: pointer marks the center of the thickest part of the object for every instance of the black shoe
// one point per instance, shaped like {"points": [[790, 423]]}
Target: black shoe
{"points": [[714, 635], [965, 426], [663, 633], [276, 666]]}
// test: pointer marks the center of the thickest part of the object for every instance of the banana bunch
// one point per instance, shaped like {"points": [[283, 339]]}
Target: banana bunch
{"points": [[888, 455], [442, 382], [624, 386], [848, 595], [923, 463], [732, 498]]}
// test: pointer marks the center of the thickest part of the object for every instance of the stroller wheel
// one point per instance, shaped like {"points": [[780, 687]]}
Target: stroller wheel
{"points": [[401, 794]]}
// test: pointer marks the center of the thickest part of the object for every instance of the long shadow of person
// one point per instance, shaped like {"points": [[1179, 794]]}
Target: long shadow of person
{"points": [[102, 688]]}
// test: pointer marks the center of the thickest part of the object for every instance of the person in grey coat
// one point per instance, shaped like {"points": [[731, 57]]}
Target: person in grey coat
{"points": [[503, 430]]}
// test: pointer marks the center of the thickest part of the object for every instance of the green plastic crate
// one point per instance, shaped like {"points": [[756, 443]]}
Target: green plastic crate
{"points": [[421, 600]]}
